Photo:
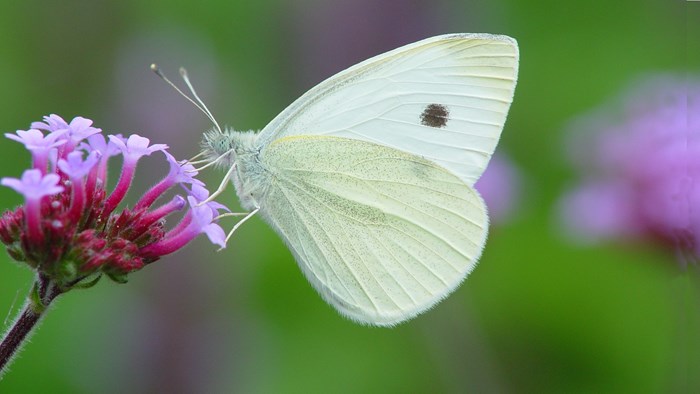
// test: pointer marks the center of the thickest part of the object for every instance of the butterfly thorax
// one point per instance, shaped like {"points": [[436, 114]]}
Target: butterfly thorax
{"points": [[239, 148]]}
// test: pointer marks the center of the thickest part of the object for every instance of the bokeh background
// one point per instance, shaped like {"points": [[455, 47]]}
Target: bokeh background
{"points": [[542, 312]]}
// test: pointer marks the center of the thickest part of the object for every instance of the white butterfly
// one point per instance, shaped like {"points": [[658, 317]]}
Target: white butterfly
{"points": [[369, 176]]}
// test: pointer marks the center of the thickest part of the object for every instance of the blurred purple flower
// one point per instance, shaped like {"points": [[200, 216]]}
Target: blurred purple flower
{"points": [[640, 169], [500, 188]]}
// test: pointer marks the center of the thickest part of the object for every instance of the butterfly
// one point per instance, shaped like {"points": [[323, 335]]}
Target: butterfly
{"points": [[369, 176]]}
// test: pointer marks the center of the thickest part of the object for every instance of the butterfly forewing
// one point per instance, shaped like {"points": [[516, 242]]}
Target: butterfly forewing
{"points": [[381, 234], [444, 98]]}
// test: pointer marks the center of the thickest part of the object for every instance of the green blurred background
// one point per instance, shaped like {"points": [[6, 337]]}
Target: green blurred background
{"points": [[539, 314]]}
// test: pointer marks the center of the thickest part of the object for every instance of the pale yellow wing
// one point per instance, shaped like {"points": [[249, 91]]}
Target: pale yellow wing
{"points": [[382, 234]]}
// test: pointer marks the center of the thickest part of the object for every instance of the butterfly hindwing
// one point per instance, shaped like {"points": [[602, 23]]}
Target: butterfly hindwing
{"points": [[381, 234]]}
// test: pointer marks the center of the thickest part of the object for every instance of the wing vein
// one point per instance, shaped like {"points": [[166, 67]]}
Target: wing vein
{"points": [[389, 225], [364, 263], [330, 239], [316, 242]]}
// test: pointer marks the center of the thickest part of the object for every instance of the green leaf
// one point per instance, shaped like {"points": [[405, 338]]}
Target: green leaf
{"points": [[119, 278], [87, 282]]}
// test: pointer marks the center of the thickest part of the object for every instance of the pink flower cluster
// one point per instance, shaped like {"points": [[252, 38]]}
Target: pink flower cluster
{"points": [[70, 227], [640, 168]]}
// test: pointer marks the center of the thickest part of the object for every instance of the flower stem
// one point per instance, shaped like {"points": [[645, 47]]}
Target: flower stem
{"points": [[42, 294]]}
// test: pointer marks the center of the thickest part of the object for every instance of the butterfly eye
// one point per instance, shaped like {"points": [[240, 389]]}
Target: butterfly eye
{"points": [[435, 115]]}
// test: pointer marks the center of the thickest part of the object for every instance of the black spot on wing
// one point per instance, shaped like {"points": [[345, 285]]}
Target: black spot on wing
{"points": [[435, 115]]}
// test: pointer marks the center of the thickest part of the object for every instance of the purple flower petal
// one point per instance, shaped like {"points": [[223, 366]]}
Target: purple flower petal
{"points": [[78, 129], [35, 140], [52, 122], [98, 143], [216, 234], [33, 185], [136, 146], [74, 165], [202, 221], [182, 172], [641, 165], [200, 193]]}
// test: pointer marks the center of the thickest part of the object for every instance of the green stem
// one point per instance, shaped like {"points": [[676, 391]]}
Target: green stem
{"points": [[42, 294]]}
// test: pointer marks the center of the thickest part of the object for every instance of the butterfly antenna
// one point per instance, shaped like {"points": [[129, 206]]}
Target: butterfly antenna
{"points": [[186, 78], [198, 103]]}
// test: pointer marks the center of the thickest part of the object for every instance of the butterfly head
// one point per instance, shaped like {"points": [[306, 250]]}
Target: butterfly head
{"points": [[219, 147], [225, 148], [237, 154]]}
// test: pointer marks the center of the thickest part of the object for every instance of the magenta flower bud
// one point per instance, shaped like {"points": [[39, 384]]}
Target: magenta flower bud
{"points": [[176, 204], [150, 218]]}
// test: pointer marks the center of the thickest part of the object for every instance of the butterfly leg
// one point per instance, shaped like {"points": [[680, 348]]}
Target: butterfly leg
{"points": [[240, 222], [221, 187], [225, 215]]}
